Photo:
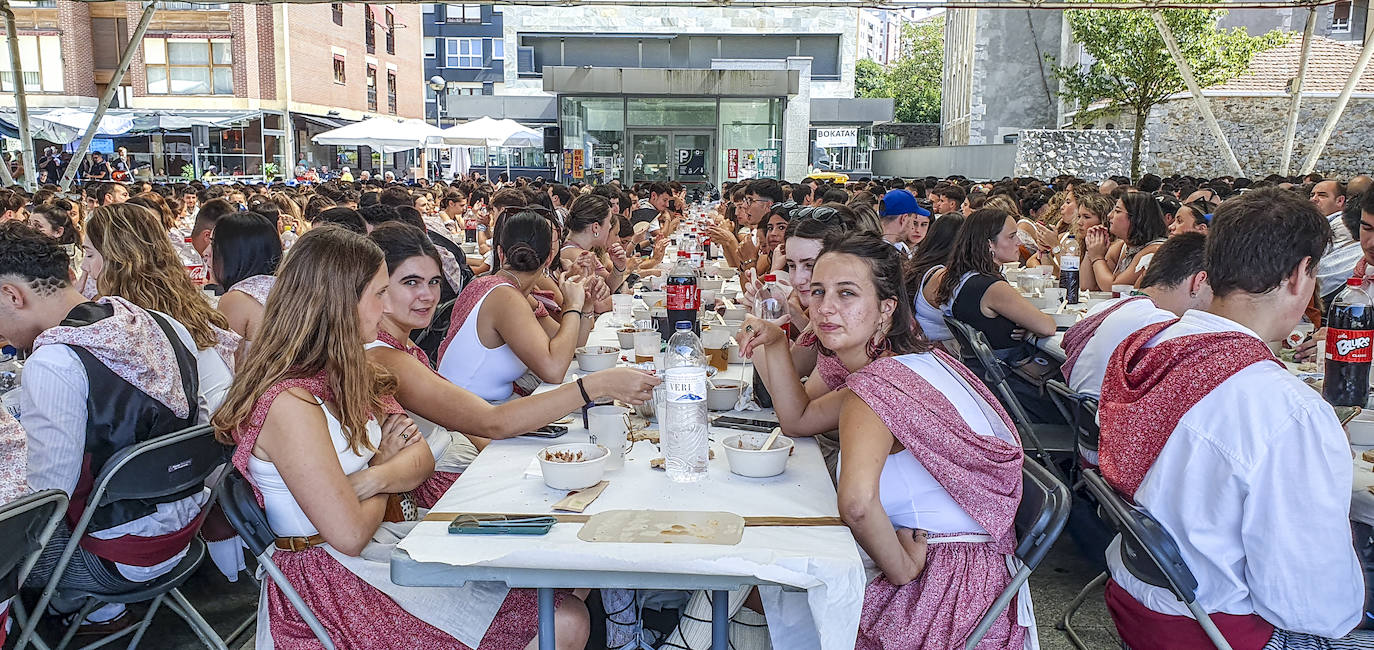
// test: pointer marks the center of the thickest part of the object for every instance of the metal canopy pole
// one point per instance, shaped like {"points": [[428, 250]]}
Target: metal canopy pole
{"points": [[5, 176], [1203, 106], [20, 101], [1339, 108], [1292, 131], [127, 57]]}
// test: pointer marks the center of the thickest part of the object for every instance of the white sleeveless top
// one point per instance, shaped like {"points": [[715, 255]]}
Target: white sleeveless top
{"points": [[928, 316], [453, 452], [284, 514], [911, 497], [484, 371]]}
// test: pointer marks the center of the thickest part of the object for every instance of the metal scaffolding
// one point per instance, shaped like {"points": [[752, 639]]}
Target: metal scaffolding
{"points": [[1156, 7]]}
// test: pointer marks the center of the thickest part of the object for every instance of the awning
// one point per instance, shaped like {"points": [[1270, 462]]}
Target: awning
{"points": [[322, 121]]}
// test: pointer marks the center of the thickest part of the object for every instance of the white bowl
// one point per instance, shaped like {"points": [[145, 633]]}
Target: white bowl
{"points": [[1361, 429], [626, 338], [1099, 295], [640, 313], [655, 299], [735, 314], [733, 351], [731, 326], [727, 272], [1044, 304], [1066, 319], [711, 284], [592, 358], [573, 476], [722, 395], [753, 462]]}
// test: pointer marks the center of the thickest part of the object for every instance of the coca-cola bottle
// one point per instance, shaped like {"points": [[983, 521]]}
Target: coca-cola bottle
{"points": [[192, 260], [1068, 270], [684, 295], [1349, 333]]}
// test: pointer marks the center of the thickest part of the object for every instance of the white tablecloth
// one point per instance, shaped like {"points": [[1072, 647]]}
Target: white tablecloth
{"points": [[822, 562]]}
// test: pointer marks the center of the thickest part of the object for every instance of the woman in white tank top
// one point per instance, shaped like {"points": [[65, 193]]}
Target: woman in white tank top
{"points": [[322, 441], [495, 334], [244, 256], [440, 408]]}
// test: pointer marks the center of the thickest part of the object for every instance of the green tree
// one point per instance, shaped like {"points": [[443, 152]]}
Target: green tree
{"points": [[913, 79], [1131, 70]]}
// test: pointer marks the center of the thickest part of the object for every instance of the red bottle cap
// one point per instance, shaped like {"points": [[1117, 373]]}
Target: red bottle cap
{"points": [[1354, 282], [771, 277]]}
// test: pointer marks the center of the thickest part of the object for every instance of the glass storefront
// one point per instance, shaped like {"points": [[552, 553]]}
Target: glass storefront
{"points": [[690, 140], [855, 158]]}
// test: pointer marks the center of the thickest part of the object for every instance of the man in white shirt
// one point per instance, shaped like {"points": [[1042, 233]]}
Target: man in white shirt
{"points": [[1174, 283], [101, 377], [1329, 199], [1241, 463]]}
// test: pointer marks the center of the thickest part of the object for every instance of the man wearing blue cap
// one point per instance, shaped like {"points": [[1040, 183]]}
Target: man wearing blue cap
{"points": [[898, 210]]}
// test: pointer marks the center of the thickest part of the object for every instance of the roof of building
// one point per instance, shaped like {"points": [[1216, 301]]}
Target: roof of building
{"points": [[1328, 65]]}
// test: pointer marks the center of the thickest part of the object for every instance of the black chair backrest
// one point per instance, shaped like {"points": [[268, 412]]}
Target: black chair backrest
{"points": [[973, 346], [165, 465], [1147, 550], [1083, 409], [432, 336], [23, 523], [1043, 511], [244, 514]]}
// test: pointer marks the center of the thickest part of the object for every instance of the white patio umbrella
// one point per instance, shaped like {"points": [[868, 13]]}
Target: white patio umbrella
{"points": [[487, 132], [65, 125], [384, 135]]}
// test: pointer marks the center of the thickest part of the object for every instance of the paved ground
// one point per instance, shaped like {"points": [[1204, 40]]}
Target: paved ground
{"points": [[225, 605]]}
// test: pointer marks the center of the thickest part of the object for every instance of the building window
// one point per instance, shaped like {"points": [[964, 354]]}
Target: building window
{"points": [[336, 8], [1340, 17], [369, 29], [390, 31], [498, 49], [391, 91], [464, 53], [188, 66], [340, 69], [41, 60], [458, 13], [371, 87], [429, 48]]}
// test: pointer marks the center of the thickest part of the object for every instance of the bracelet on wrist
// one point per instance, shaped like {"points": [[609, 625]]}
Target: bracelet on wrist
{"points": [[586, 399], [572, 311]]}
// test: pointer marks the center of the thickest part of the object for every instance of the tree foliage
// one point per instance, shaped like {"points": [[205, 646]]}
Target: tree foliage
{"points": [[1131, 70], [913, 79]]}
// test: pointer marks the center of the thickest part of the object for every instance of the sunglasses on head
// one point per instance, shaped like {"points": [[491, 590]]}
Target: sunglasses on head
{"points": [[822, 213]]}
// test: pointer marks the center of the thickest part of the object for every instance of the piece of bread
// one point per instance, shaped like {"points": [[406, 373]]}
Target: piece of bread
{"points": [[1368, 456]]}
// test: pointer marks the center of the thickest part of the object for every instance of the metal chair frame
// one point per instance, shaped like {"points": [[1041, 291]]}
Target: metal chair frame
{"points": [[1150, 553], [972, 344], [1039, 522], [248, 518], [12, 511], [157, 590]]}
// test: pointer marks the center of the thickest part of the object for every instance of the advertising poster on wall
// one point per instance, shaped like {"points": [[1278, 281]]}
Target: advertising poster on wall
{"points": [[578, 157], [732, 163]]}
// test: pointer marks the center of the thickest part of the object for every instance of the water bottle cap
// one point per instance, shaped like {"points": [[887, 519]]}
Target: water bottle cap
{"points": [[683, 325], [1355, 282], [771, 277]]}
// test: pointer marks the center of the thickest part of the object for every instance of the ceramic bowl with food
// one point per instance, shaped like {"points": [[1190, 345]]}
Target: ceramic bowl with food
{"points": [[722, 395], [591, 358], [745, 457], [626, 337], [573, 466], [711, 284]]}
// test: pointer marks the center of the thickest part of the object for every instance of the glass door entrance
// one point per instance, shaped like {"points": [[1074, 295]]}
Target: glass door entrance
{"points": [[685, 157]]}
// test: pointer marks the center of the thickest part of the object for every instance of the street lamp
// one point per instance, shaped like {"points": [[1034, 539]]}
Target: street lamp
{"points": [[437, 84]]}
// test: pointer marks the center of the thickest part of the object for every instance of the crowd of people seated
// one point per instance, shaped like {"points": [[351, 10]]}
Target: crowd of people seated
{"points": [[356, 345]]}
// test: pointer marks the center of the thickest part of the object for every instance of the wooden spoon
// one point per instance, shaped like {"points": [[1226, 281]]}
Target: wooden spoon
{"points": [[768, 444]]}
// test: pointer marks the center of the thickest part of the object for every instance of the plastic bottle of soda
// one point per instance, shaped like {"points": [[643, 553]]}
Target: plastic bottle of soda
{"points": [[684, 294], [1349, 335], [1068, 270]]}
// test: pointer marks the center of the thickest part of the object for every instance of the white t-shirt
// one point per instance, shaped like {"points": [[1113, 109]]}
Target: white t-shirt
{"points": [[1091, 365]]}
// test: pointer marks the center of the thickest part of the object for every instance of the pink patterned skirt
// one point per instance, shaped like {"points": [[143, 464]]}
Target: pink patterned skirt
{"points": [[938, 610], [356, 615], [427, 494]]}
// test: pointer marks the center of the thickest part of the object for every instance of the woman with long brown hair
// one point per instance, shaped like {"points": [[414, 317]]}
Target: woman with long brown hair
{"points": [[323, 442], [128, 255]]}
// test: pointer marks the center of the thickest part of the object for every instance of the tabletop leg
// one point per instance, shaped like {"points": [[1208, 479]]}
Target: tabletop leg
{"points": [[546, 641], [720, 620]]}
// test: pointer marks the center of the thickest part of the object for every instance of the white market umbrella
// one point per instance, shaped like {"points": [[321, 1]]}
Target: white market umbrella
{"points": [[382, 134], [487, 132], [65, 125]]}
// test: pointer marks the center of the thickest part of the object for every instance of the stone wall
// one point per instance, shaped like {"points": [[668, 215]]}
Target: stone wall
{"points": [[1182, 144], [911, 134], [1092, 154]]}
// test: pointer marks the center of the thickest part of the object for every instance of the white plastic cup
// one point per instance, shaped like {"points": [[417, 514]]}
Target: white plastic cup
{"points": [[606, 427], [647, 343], [623, 305]]}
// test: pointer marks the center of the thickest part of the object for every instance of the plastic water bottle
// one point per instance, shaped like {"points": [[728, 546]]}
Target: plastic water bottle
{"points": [[683, 423], [1068, 270], [10, 387], [771, 304]]}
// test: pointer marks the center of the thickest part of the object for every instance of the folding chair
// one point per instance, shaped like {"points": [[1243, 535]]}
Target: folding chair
{"points": [[241, 508], [975, 351], [167, 465], [1150, 553], [1039, 521], [26, 525], [432, 336]]}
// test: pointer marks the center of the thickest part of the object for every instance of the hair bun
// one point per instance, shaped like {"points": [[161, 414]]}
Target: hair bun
{"points": [[522, 257]]}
